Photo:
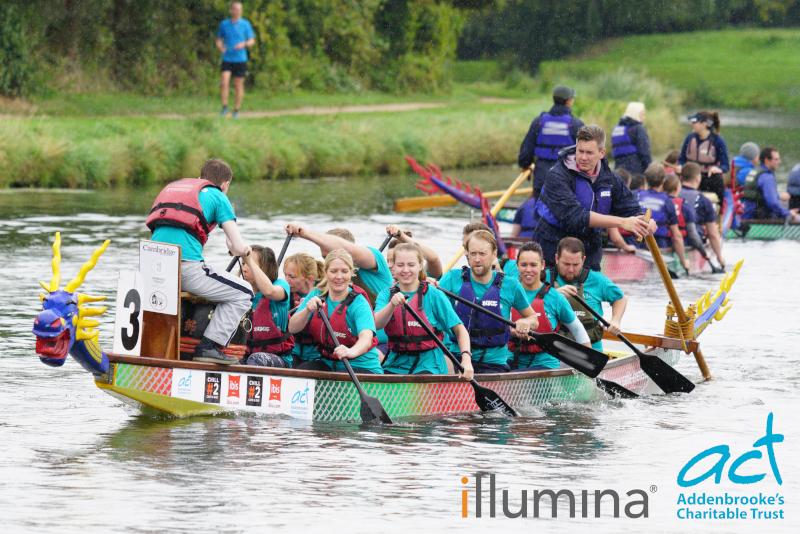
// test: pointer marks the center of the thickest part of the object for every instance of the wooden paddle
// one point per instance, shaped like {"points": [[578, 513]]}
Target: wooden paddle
{"points": [[659, 371], [676, 301], [371, 407], [486, 399], [496, 208], [585, 359], [438, 201]]}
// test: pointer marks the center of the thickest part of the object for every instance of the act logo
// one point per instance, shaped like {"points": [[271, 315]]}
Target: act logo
{"points": [[184, 386], [691, 476], [300, 396]]}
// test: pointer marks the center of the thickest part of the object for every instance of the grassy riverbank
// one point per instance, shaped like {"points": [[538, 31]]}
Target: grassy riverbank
{"points": [[104, 140], [752, 68]]}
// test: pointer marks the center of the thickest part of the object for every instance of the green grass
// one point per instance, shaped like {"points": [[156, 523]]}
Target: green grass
{"points": [[751, 68]]}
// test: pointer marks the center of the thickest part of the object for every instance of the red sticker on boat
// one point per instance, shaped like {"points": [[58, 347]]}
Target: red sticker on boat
{"points": [[275, 391]]}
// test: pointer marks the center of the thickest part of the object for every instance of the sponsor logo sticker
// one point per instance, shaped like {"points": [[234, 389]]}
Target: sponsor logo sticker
{"points": [[234, 382], [255, 386], [275, 392], [213, 386]]}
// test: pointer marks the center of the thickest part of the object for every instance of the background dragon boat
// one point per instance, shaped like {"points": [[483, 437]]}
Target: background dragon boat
{"points": [[765, 230], [159, 383]]}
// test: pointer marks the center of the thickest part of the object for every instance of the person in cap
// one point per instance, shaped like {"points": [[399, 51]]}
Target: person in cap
{"points": [[745, 161], [548, 134], [707, 148], [630, 144], [760, 195], [581, 196]]}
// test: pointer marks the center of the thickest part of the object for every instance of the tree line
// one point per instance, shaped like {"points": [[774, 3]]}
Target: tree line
{"points": [[157, 47]]}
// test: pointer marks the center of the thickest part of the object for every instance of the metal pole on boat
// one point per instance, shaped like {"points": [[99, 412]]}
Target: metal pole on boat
{"points": [[496, 208], [675, 299]]}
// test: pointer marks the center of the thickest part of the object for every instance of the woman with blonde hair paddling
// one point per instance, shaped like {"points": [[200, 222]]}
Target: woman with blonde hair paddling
{"points": [[349, 314], [302, 271], [411, 349]]}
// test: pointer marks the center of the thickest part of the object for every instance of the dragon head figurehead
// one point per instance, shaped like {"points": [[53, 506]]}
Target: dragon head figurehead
{"points": [[66, 324]]}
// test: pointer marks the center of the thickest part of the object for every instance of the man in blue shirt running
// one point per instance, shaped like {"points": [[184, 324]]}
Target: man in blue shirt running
{"points": [[234, 36]]}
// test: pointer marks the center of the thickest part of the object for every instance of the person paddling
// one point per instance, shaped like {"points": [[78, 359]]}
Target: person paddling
{"points": [[269, 343], [571, 277], [302, 271], [704, 213], [551, 307], [549, 132], [349, 314], [662, 209], [760, 195], [373, 273], [411, 349], [630, 144], [707, 148], [184, 213], [581, 196], [479, 283]]}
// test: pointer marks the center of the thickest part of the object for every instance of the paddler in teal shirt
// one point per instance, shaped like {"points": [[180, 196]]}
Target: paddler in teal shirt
{"points": [[411, 349], [486, 287], [574, 278]]}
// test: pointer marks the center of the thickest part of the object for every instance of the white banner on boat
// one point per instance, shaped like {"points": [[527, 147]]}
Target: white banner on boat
{"points": [[159, 264], [254, 393], [128, 319]]}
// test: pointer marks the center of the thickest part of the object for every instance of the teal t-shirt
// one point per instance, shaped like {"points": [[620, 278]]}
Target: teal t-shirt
{"points": [[511, 269], [359, 317], [217, 209], [558, 311], [280, 311], [441, 316], [512, 295], [597, 288], [305, 352], [378, 279]]}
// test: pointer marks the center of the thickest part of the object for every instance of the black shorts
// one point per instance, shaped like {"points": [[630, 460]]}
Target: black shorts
{"points": [[238, 69]]}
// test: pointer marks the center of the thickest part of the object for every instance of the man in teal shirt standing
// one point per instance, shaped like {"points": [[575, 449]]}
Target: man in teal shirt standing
{"points": [[234, 36], [184, 214], [594, 287]]}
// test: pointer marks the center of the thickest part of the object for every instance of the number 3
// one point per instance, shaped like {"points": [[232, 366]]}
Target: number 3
{"points": [[129, 341]]}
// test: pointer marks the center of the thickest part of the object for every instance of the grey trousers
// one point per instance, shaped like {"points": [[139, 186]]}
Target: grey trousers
{"points": [[231, 294]]}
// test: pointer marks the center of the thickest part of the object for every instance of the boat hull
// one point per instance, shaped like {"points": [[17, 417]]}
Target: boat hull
{"points": [[767, 231], [184, 389]]}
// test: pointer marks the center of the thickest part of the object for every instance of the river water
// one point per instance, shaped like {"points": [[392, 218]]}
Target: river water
{"points": [[76, 460]]}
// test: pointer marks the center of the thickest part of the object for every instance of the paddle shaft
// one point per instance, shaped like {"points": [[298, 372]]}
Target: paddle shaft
{"points": [[675, 299], [346, 363], [232, 263], [283, 249], [496, 208], [477, 387], [385, 242], [603, 320]]}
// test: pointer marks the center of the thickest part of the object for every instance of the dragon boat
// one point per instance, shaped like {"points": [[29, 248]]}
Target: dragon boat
{"points": [[159, 383]]}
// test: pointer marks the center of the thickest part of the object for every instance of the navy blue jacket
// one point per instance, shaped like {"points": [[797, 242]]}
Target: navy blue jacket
{"points": [[525, 157], [526, 150], [559, 196], [635, 163]]}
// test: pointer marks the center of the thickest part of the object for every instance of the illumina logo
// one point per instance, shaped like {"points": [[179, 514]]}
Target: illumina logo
{"points": [[545, 502]]}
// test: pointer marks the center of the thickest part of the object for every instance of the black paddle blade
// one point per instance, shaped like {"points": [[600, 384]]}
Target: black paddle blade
{"points": [[372, 409], [585, 359], [614, 389], [664, 375], [489, 401]]}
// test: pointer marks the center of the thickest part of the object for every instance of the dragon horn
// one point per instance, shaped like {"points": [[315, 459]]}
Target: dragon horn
{"points": [[76, 282], [56, 264]]}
